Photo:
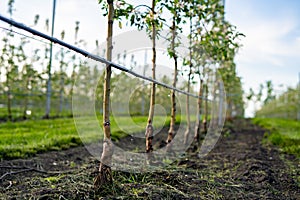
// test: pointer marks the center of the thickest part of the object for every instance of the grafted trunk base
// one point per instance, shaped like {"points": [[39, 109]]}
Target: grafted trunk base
{"points": [[197, 133], [104, 177], [149, 138], [204, 126], [171, 132]]}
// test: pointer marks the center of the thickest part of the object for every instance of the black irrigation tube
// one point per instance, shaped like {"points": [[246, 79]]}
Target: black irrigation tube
{"points": [[89, 55]]}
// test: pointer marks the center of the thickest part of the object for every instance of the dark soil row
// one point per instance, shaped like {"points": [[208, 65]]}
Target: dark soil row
{"points": [[239, 167]]}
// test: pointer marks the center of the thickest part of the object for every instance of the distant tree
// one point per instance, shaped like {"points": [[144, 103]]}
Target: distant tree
{"points": [[8, 61], [286, 105], [49, 68], [270, 96], [28, 76], [74, 60], [8, 54], [62, 68], [256, 97]]}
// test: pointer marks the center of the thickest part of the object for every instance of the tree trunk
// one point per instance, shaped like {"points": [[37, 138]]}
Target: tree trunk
{"points": [[9, 114], [206, 108], [48, 95], [171, 131], [188, 119], [104, 176], [149, 127], [199, 106], [143, 97], [62, 84], [25, 105], [61, 95], [8, 86], [49, 85], [73, 79]]}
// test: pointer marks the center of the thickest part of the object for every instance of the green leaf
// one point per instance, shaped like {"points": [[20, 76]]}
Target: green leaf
{"points": [[120, 24], [132, 20]]}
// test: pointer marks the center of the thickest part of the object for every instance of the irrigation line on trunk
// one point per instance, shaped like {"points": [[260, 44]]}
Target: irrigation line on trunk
{"points": [[92, 56]]}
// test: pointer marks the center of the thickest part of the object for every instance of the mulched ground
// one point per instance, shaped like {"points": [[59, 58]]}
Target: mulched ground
{"points": [[239, 167]]}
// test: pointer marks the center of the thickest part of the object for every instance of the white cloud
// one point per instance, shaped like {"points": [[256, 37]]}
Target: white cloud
{"points": [[268, 40], [271, 48]]}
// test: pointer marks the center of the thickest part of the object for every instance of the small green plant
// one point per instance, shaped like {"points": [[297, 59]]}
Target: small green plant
{"points": [[53, 179]]}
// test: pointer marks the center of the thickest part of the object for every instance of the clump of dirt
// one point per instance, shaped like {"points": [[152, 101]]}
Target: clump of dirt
{"points": [[239, 167]]}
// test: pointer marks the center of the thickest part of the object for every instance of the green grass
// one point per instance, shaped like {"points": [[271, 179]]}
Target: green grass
{"points": [[283, 133], [36, 113], [26, 138], [22, 139]]}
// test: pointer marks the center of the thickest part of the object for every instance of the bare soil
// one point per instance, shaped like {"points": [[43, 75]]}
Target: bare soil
{"points": [[241, 166]]}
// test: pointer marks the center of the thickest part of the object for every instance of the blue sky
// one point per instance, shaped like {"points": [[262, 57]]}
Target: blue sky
{"points": [[271, 48]]}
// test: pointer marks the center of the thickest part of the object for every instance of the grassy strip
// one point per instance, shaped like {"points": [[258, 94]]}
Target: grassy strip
{"points": [[284, 133], [26, 138]]}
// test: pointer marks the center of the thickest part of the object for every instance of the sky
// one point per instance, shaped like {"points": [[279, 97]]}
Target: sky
{"points": [[270, 51], [271, 48]]}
